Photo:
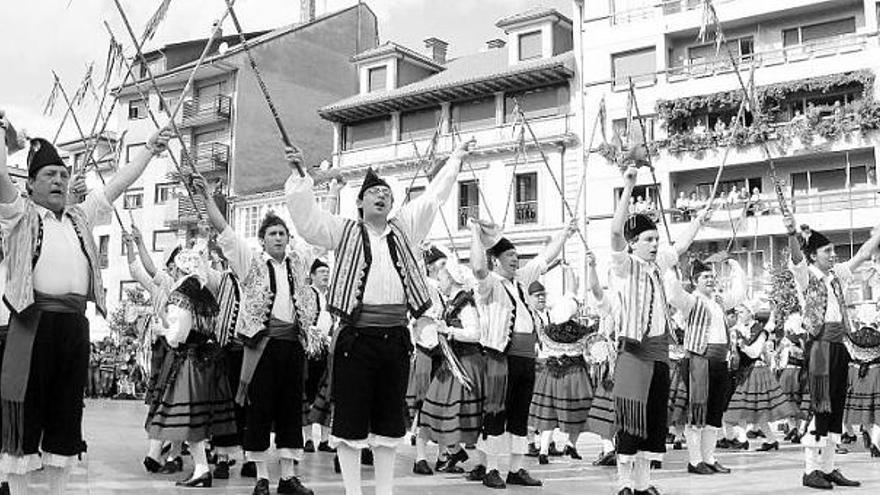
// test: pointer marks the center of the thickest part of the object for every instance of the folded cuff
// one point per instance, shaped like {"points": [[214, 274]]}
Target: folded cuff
{"points": [[20, 465]]}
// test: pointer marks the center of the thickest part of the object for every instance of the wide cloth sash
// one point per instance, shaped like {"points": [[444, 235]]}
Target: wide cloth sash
{"points": [[632, 382], [698, 382], [275, 330], [17, 361], [381, 315], [820, 368]]}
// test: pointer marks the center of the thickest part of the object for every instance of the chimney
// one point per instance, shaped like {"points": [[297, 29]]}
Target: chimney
{"points": [[306, 11], [436, 49], [495, 44]]}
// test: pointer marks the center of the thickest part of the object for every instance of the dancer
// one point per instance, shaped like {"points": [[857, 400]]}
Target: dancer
{"points": [[197, 401], [277, 309], [821, 280], [863, 393], [53, 271], [4, 330], [319, 274], [510, 354], [792, 375], [376, 282], [704, 369]]}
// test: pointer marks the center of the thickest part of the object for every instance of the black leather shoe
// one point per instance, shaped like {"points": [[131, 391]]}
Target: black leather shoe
{"points": [[572, 452], [553, 451], [4, 488], [248, 469], [847, 438], [656, 465], [476, 474], [447, 464], [460, 456], [173, 466], [542, 459], [293, 486], [262, 487], [840, 449], [607, 459], [470, 446], [753, 434], [839, 479], [522, 478], [652, 490], [701, 468], [422, 467], [221, 470], [533, 451], [722, 443], [768, 446], [625, 491], [152, 465], [493, 480], [367, 457], [718, 468], [816, 479], [325, 447], [677, 445], [737, 445], [309, 447], [875, 452], [204, 481]]}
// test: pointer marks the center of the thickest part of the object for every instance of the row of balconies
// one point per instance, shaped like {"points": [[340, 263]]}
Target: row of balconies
{"points": [[206, 111], [524, 213], [207, 158]]}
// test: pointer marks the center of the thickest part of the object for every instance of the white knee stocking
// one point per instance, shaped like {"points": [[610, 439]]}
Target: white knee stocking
{"points": [[625, 468], [350, 462], [384, 467], [641, 474], [708, 440], [694, 438]]}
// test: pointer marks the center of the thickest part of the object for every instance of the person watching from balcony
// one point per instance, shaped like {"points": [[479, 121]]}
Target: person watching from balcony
{"points": [[720, 127], [371, 355], [682, 204]]}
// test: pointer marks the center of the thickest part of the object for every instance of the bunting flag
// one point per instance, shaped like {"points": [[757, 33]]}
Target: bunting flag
{"points": [[112, 63], [710, 22], [603, 119], [153, 24], [50, 102], [84, 87]]}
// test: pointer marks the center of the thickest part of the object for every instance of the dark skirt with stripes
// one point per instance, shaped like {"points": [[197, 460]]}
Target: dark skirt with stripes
{"points": [[562, 395], [420, 371], [451, 414], [197, 401], [793, 383], [600, 419], [863, 395], [759, 398]]}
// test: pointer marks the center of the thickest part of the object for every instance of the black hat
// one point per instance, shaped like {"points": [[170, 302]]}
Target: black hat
{"points": [[698, 267], [433, 254], [536, 287], [501, 246], [636, 224], [371, 180], [42, 154], [318, 263], [815, 242]]}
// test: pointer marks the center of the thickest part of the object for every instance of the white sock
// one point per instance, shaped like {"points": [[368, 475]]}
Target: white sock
{"points": [[350, 462], [491, 461], [607, 446], [307, 433], [288, 469], [545, 441], [384, 469], [792, 423], [811, 459], [155, 450], [58, 478], [262, 470], [325, 434], [200, 460], [516, 462], [625, 468], [740, 431], [769, 432], [874, 433], [694, 437], [19, 484], [708, 440], [641, 474], [421, 448], [827, 458]]}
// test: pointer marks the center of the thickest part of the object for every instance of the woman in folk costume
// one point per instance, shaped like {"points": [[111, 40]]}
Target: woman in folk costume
{"points": [[641, 375], [426, 357], [452, 413], [377, 286], [704, 379], [792, 375], [511, 352], [863, 394], [562, 393], [601, 354], [197, 401], [822, 279]]}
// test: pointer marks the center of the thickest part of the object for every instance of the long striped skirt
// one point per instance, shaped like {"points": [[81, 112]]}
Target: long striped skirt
{"points": [[562, 395], [759, 398], [863, 396], [600, 419], [793, 383], [197, 402], [420, 372], [451, 414]]}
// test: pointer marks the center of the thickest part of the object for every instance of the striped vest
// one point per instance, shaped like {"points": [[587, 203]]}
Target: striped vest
{"points": [[23, 246], [352, 268], [696, 333], [639, 292]]}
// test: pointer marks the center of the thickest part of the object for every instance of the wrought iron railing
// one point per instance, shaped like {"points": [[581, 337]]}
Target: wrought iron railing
{"points": [[208, 157], [207, 111], [526, 212]]}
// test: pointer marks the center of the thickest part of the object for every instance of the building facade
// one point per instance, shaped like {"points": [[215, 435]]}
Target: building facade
{"points": [[811, 66]]}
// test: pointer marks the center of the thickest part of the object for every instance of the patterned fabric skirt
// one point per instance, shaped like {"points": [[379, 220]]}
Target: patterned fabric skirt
{"points": [[450, 414], [197, 401], [794, 385], [562, 395], [863, 396], [600, 419], [759, 398], [420, 372]]}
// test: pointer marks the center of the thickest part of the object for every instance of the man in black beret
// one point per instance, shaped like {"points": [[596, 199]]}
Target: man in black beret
{"points": [[823, 280], [53, 272], [319, 273]]}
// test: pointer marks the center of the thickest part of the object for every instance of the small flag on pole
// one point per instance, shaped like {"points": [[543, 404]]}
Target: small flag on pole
{"points": [[153, 24], [603, 118], [50, 102]]}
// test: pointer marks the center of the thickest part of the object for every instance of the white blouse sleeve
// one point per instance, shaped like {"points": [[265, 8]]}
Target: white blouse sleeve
{"points": [[470, 325], [179, 323]]}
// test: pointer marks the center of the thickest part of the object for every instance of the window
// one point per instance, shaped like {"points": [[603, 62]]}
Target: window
{"points": [[414, 192], [707, 56], [419, 123], [251, 221], [165, 192], [164, 239], [131, 149], [640, 65], [643, 199], [171, 98], [377, 78], [473, 114], [137, 109], [133, 199], [367, 133], [526, 198], [530, 45], [620, 127], [104, 251], [541, 102], [813, 32], [468, 202]]}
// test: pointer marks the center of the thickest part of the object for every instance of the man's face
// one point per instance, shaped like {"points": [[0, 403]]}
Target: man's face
{"points": [[508, 262], [825, 257], [321, 276], [645, 245], [705, 282], [275, 241], [539, 300], [49, 187], [376, 202]]}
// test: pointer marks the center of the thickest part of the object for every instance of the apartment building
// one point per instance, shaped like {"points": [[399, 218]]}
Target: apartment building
{"points": [[813, 64], [409, 98]]}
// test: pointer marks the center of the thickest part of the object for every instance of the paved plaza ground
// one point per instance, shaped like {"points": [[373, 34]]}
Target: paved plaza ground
{"points": [[117, 442]]}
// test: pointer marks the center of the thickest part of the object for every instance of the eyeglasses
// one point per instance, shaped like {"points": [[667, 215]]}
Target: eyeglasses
{"points": [[377, 191]]}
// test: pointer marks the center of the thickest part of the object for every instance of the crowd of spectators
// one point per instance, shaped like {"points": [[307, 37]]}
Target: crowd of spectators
{"points": [[114, 371]]}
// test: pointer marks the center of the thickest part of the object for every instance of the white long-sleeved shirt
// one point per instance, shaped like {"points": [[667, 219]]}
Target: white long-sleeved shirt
{"points": [[801, 272], [621, 267], [493, 296], [323, 229], [684, 301]]}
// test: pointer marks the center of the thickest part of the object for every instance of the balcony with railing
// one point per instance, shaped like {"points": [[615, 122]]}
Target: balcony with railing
{"points": [[465, 212], [207, 158], [629, 11], [187, 213], [526, 212], [204, 111]]}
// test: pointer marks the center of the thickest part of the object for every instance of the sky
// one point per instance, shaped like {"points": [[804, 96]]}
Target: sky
{"points": [[39, 36]]}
